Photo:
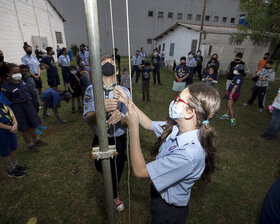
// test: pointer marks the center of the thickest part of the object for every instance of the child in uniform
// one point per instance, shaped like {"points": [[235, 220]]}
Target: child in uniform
{"points": [[146, 76], [28, 120], [51, 99], [125, 79], [181, 74], [156, 63], [185, 149], [73, 84], [8, 139], [84, 75], [210, 77], [233, 93]]}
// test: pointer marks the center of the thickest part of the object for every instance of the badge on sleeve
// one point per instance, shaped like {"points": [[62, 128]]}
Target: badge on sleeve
{"points": [[87, 98]]}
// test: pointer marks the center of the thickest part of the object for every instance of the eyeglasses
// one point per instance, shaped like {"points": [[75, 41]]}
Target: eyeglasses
{"points": [[177, 99]]}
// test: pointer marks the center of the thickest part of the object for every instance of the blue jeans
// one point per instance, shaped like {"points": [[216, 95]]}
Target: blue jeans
{"points": [[274, 124]]}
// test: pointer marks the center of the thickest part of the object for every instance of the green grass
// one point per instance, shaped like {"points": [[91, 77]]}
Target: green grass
{"points": [[63, 186]]}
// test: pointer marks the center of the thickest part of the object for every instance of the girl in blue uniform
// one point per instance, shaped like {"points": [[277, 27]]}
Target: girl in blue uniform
{"points": [[185, 149]]}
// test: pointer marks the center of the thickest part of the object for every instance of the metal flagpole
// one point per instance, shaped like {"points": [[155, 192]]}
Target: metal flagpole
{"points": [[91, 11], [202, 23]]}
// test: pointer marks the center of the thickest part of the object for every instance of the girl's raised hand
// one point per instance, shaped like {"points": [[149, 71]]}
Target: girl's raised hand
{"points": [[121, 95], [131, 117]]}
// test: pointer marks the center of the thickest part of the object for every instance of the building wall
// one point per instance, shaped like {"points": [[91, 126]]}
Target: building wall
{"points": [[18, 25], [142, 27], [219, 43]]}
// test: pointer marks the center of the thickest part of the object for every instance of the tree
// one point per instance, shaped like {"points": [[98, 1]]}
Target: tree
{"points": [[262, 22]]}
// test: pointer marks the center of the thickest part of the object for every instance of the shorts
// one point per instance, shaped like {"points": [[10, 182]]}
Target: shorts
{"points": [[27, 116], [8, 142], [178, 86], [38, 82], [65, 73], [235, 96], [53, 81], [228, 83]]}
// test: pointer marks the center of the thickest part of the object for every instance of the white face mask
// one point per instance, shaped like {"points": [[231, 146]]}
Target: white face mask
{"points": [[74, 72], [17, 76], [235, 72], [174, 112], [190, 56]]}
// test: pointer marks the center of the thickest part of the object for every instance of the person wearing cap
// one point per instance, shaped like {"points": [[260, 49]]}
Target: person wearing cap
{"points": [[265, 75], [52, 72], [115, 112], [233, 93], [51, 99]]}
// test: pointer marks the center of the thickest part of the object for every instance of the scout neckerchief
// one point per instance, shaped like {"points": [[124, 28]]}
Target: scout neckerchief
{"points": [[5, 114]]}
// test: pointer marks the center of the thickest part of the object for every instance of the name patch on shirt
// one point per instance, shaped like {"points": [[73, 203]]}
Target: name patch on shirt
{"points": [[172, 148]]}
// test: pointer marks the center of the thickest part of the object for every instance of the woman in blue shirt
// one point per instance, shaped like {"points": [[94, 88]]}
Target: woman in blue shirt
{"points": [[185, 149]]}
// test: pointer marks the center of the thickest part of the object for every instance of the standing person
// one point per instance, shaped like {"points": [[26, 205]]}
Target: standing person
{"points": [[33, 64], [143, 55], [181, 74], [162, 58], [146, 76], [185, 150], [83, 55], [64, 63], [136, 61], [265, 75], [116, 123], [52, 72], [237, 61], [84, 74], [156, 63], [199, 59], [8, 139], [73, 84], [213, 62], [210, 78], [233, 93], [118, 60], [263, 61], [191, 63], [51, 99], [274, 124], [125, 79], [3, 68], [28, 120], [39, 53], [70, 54], [58, 51]]}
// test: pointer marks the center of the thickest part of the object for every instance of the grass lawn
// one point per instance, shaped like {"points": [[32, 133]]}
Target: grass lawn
{"points": [[62, 185]]}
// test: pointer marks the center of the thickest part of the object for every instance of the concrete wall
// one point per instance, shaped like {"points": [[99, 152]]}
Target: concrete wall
{"points": [[18, 25], [142, 27]]}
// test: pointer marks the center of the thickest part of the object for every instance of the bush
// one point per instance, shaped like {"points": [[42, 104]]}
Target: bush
{"points": [[75, 49]]}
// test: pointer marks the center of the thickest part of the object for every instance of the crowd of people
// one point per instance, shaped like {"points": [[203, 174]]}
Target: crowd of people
{"points": [[178, 163]]}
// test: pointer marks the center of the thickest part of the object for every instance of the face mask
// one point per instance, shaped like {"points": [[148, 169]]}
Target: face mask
{"points": [[1, 58], [29, 52], [198, 53], [235, 72], [190, 56], [183, 63], [267, 67], [155, 54], [237, 60], [214, 59], [108, 69], [17, 76], [27, 76], [174, 112], [74, 72], [265, 58]]}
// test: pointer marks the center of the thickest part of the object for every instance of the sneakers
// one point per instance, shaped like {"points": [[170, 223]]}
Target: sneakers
{"points": [[246, 104], [16, 173], [21, 168], [268, 136], [38, 132], [260, 110], [232, 121], [223, 117], [33, 148], [42, 128], [118, 204], [40, 143]]}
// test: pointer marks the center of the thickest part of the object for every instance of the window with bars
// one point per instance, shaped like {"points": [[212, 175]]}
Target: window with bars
{"points": [[198, 17], [160, 14], [224, 19], [58, 36], [150, 13], [180, 16], [170, 15]]}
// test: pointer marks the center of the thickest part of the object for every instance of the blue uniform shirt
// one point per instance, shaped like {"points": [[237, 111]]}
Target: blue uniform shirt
{"points": [[237, 80], [136, 60], [182, 70], [63, 60], [32, 62], [52, 69], [146, 73], [51, 97], [155, 60], [89, 106], [191, 62], [5, 116], [15, 92], [84, 56], [179, 163]]}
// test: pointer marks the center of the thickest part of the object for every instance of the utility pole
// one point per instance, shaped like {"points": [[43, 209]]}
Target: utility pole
{"points": [[91, 11], [202, 23]]}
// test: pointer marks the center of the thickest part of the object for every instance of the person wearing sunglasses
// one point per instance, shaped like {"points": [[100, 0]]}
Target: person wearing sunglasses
{"points": [[185, 149]]}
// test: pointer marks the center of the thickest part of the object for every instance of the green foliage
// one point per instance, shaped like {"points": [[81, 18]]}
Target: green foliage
{"points": [[263, 19], [74, 48]]}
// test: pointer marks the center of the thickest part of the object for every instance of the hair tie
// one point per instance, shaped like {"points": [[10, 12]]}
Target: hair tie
{"points": [[205, 122]]}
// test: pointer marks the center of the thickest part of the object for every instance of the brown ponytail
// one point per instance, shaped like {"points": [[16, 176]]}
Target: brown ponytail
{"points": [[205, 100]]}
